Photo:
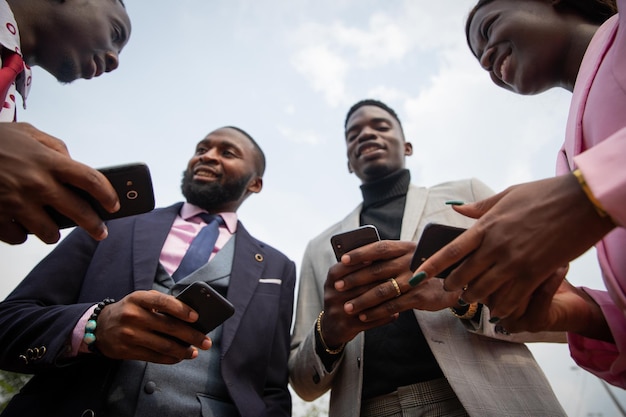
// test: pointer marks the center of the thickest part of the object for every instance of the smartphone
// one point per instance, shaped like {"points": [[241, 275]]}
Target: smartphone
{"points": [[133, 185], [434, 237], [212, 308], [347, 241]]}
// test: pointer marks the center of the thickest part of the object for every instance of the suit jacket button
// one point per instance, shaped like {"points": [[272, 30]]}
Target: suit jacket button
{"points": [[150, 387]]}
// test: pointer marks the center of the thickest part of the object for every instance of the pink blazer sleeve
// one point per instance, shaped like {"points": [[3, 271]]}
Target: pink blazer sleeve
{"points": [[601, 358]]}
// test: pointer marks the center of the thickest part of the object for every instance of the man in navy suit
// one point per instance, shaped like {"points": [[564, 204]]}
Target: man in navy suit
{"points": [[143, 358]]}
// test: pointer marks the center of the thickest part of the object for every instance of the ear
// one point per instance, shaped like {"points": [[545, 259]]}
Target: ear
{"points": [[408, 149], [350, 170], [255, 185]]}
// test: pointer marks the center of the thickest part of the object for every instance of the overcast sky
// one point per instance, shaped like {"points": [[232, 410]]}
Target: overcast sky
{"points": [[287, 72]]}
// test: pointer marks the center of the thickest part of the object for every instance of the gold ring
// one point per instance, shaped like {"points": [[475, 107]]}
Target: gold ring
{"points": [[396, 286]]}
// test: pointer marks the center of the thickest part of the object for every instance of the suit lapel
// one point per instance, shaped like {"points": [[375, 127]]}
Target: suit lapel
{"points": [[351, 221], [248, 265], [150, 232], [416, 198]]}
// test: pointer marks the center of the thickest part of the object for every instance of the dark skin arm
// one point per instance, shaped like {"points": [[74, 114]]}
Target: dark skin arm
{"points": [[144, 325], [35, 167], [565, 309], [522, 236], [373, 299]]}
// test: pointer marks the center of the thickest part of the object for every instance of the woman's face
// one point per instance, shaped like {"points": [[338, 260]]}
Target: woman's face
{"points": [[521, 43]]}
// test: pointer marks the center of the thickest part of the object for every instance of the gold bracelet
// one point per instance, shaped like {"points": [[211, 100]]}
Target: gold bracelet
{"points": [[592, 198], [469, 314], [318, 326]]}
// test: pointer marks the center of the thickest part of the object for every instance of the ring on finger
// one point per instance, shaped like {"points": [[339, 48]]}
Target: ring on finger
{"points": [[395, 286]]}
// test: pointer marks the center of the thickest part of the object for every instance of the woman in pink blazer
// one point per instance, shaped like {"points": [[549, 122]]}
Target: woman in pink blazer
{"points": [[517, 265]]}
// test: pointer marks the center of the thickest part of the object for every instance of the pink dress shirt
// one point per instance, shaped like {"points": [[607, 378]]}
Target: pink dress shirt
{"points": [[184, 229], [595, 142]]}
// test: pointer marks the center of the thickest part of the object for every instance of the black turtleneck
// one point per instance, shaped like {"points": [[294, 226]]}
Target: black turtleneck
{"points": [[396, 354]]}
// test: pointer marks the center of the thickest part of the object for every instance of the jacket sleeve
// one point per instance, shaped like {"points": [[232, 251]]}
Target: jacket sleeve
{"points": [[37, 318], [307, 374], [605, 360]]}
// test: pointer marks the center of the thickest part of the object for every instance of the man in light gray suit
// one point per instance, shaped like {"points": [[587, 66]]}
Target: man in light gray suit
{"points": [[395, 359]]}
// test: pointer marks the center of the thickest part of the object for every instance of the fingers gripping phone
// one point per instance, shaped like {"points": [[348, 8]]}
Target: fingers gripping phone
{"points": [[347, 241], [212, 308], [434, 237], [133, 185]]}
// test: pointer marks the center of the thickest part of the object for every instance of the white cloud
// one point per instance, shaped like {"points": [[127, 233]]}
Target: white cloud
{"points": [[325, 70], [300, 136]]}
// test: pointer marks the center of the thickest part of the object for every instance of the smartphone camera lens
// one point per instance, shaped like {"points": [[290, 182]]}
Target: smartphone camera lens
{"points": [[132, 194]]}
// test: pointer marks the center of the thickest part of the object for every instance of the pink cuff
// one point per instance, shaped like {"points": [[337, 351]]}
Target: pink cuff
{"points": [[78, 346]]}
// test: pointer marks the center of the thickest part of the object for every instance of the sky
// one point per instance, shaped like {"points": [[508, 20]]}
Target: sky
{"points": [[287, 72]]}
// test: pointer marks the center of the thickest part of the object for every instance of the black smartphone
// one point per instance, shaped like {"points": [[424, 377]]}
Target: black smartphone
{"points": [[434, 237], [133, 185], [212, 308], [347, 241]]}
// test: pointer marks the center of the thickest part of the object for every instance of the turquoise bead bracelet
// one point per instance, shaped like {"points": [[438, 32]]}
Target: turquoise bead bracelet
{"points": [[90, 328]]}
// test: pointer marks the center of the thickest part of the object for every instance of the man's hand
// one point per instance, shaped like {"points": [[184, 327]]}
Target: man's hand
{"points": [[149, 326], [360, 271], [359, 293], [34, 171], [380, 299]]}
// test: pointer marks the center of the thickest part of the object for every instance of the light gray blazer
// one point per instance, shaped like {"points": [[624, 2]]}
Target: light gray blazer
{"points": [[492, 374]]}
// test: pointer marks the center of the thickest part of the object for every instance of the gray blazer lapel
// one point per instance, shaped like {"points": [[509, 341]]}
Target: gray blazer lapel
{"points": [[416, 199], [352, 220]]}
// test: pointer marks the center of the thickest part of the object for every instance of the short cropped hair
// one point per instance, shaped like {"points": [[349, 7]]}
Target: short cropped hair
{"points": [[371, 102], [261, 155]]}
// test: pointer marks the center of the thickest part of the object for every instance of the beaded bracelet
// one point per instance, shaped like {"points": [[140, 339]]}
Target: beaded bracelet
{"points": [[90, 327], [468, 312], [318, 327]]}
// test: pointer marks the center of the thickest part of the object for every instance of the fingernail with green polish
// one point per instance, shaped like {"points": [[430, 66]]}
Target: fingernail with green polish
{"points": [[417, 278], [494, 320], [455, 203]]}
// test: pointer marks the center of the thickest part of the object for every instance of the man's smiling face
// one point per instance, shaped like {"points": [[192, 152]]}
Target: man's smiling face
{"points": [[375, 143], [223, 171]]}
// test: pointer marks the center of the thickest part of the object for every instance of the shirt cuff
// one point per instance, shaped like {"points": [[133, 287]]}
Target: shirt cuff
{"points": [[78, 346]]}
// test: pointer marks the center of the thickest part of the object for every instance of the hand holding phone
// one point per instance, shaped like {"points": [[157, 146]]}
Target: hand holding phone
{"points": [[133, 185], [212, 308], [345, 242], [434, 237]]}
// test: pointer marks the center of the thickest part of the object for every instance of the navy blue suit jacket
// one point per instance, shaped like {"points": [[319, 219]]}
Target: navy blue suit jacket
{"points": [[38, 317]]}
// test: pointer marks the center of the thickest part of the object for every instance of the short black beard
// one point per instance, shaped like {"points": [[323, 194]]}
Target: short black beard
{"points": [[66, 71], [212, 196]]}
